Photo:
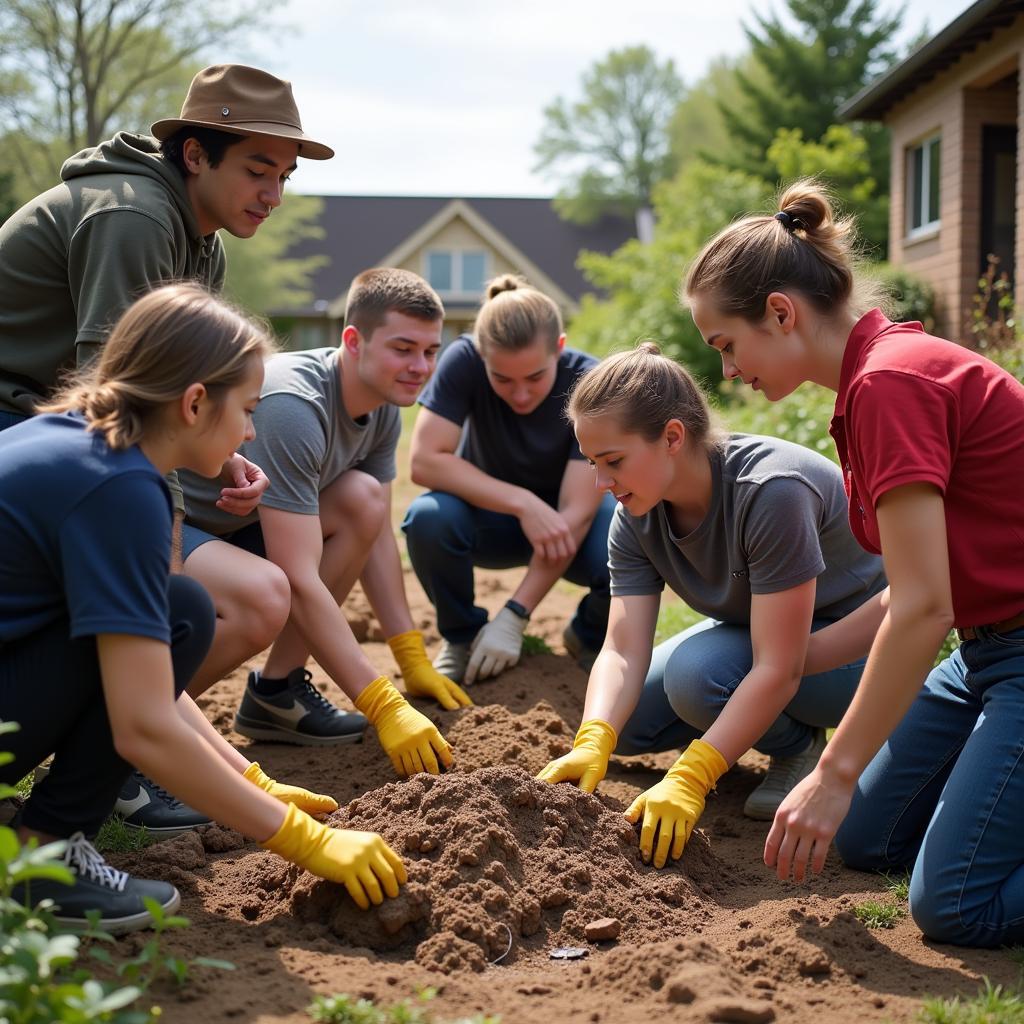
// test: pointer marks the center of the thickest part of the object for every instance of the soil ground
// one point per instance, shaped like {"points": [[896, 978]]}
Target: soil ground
{"points": [[499, 862]]}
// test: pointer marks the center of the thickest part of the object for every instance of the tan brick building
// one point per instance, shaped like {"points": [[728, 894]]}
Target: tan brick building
{"points": [[954, 108]]}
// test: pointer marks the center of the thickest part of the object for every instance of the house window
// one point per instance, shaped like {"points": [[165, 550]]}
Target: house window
{"points": [[457, 272], [923, 167]]}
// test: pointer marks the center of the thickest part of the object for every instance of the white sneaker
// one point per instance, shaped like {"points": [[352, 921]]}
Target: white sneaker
{"points": [[782, 775], [452, 659]]}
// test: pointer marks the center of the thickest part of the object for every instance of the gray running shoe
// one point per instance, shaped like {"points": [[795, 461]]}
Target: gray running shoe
{"points": [[298, 714], [782, 775], [452, 659]]}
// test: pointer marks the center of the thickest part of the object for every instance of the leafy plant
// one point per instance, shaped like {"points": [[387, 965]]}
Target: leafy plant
{"points": [[992, 1004], [342, 1009], [875, 914], [535, 645], [898, 888]]}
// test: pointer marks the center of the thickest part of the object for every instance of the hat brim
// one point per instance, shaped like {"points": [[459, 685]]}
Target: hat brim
{"points": [[308, 148]]}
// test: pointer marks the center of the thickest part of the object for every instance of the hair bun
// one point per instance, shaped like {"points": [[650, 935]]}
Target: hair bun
{"points": [[651, 348], [504, 283]]}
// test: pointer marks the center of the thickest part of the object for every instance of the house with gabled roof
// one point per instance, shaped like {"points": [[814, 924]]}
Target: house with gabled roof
{"points": [[954, 108], [456, 243]]}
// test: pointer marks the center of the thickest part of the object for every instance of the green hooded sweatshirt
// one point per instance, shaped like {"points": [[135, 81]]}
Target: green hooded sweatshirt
{"points": [[71, 260]]}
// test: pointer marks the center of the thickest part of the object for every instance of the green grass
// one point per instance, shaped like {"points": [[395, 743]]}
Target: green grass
{"points": [[342, 1009], [992, 1005], [535, 645], [115, 836], [898, 888], [674, 617], [875, 914]]}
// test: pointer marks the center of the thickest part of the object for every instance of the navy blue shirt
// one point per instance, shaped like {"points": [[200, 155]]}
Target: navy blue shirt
{"points": [[529, 451], [85, 533]]}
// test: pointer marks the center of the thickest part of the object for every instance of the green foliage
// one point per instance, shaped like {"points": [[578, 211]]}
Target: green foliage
{"points": [[535, 645], [261, 278], [875, 914], [115, 836], [898, 888], [992, 1005], [802, 416], [342, 1009], [993, 323], [905, 296], [611, 147]]}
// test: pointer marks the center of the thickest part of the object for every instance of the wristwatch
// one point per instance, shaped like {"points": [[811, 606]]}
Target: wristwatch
{"points": [[517, 609]]}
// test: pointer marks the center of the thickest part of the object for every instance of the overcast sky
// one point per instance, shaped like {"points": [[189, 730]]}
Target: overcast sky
{"points": [[443, 97]]}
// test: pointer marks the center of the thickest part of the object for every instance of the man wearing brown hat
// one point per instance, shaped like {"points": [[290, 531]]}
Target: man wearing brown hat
{"points": [[130, 214]]}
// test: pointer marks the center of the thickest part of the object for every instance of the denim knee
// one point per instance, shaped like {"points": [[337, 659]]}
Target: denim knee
{"points": [[432, 516], [859, 847]]}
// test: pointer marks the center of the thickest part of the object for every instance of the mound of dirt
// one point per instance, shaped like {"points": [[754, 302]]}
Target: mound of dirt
{"points": [[499, 863]]}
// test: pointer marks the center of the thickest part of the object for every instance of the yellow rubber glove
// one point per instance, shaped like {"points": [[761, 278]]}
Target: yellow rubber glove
{"points": [[311, 803], [410, 739], [672, 807], [587, 762], [421, 678], [361, 861]]}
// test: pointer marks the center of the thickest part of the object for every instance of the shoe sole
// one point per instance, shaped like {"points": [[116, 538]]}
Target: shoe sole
{"points": [[273, 732], [158, 835], [119, 925]]}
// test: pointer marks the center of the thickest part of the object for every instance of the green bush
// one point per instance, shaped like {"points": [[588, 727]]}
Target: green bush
{"points": [[907, 297]]}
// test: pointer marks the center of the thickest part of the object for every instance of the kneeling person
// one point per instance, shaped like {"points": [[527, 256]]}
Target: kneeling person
{"points": [[326, 431]]}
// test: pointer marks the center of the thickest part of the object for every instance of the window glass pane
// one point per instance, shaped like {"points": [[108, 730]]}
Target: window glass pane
{"points": [[933, 181], [473, 271], [916, 181], [439, 270]]}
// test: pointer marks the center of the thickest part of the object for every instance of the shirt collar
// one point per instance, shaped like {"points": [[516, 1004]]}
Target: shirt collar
{"points": [[865, 331]]}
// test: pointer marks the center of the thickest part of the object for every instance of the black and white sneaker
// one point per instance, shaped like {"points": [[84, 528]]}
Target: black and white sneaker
{"points": [[298, 714], [144, 804], [98, 886]]}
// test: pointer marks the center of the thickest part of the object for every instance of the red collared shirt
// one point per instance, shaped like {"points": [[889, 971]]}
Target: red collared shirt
{"points": [[913, 408]]}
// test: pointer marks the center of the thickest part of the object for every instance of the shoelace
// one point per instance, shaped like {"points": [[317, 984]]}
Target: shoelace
{"points": [[150, 786], [310, 691], [84, 859]]}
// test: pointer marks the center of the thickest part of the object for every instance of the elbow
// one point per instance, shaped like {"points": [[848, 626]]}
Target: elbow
{"points": [[932, 616], [419, 469], [136, 741]]}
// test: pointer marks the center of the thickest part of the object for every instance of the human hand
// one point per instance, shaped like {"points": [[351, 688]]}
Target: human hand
{"points": [[420, 677], [311, 803], [587, 762], [410, 739], [547, 530], [497, 646], [805, 824], [671, 808], [246, 483], [361, 861]]}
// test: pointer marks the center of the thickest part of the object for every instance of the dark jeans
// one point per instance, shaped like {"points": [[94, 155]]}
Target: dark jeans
{"points": [[943, 798], [51, 687], [447, 537], [10, 419]]}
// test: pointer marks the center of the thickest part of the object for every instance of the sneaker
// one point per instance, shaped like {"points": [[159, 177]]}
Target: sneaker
{"points": [[144, 804], [298, 714], [782, 775], [584, 656], [452, 659], [98, 886]]}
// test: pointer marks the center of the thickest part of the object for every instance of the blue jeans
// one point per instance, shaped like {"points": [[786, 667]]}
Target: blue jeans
{"points": [[945, 794], [447, 537], [11, 419], [693, 676]]}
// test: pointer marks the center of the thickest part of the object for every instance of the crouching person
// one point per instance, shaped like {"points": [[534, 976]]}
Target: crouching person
{"points": [[98, 641]]}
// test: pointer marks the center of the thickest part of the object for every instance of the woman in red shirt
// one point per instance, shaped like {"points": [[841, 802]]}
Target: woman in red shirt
{"points": [[926, 769]]}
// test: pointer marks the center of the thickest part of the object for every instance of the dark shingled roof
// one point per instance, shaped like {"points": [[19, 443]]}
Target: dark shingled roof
{"points": [[973, 27], [361, 230]]}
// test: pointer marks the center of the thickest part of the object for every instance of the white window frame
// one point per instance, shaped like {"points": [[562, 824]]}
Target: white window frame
{"points": [[457, 290], [926, 227]]}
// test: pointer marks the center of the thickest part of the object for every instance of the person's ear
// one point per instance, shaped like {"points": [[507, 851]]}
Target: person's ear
{"points": [[350, 339], [191, 403], [193, 156], [781, 310], [674, 436], [561, 342]]}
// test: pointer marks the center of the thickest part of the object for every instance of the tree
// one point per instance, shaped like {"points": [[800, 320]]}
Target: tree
{"points": [[612, 146], [73, 71], [837, 48]]}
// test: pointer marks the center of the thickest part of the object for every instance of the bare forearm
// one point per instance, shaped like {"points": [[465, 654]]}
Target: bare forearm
{"points": [[755, 704], [616, 681], [445, 471], [848, 639], [384, 586], [900, 659], [190, 713]]}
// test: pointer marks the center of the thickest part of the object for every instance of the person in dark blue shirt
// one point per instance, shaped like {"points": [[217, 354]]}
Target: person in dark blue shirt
{"points": [[98, 640], [509, 486]]}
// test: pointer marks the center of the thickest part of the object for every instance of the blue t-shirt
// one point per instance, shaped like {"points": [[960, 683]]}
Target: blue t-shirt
{"points": [[529, 451], [85, 533]]}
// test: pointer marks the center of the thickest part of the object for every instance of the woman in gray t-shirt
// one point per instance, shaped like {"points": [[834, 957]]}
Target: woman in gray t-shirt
{"points": [[751, 532]]}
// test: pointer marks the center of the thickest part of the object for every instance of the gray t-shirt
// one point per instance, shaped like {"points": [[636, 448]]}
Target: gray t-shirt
{"points": [[778, 518], [305, 439]]}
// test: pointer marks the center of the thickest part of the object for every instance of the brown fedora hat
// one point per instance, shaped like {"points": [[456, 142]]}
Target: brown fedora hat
{"points": [[245, 101]]}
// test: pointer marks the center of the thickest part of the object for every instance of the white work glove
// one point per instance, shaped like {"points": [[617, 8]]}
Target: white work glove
{"points": [[497, 646]]}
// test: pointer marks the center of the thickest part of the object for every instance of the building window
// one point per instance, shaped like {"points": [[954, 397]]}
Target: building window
{"points": [[457, 272], [923, 167]]}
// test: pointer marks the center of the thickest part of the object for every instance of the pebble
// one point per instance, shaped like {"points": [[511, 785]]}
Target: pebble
{"points": [[602, 929]]}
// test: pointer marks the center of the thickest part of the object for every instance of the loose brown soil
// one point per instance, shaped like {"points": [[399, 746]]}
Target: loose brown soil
{"points": [[503, 869]]}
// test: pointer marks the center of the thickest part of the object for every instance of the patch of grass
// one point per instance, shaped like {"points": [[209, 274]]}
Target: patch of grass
{"points": [[898, 888], [674, 617], [992, 1005], [875, 914], [342, 1009], [535, 645], [115, 836]]}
